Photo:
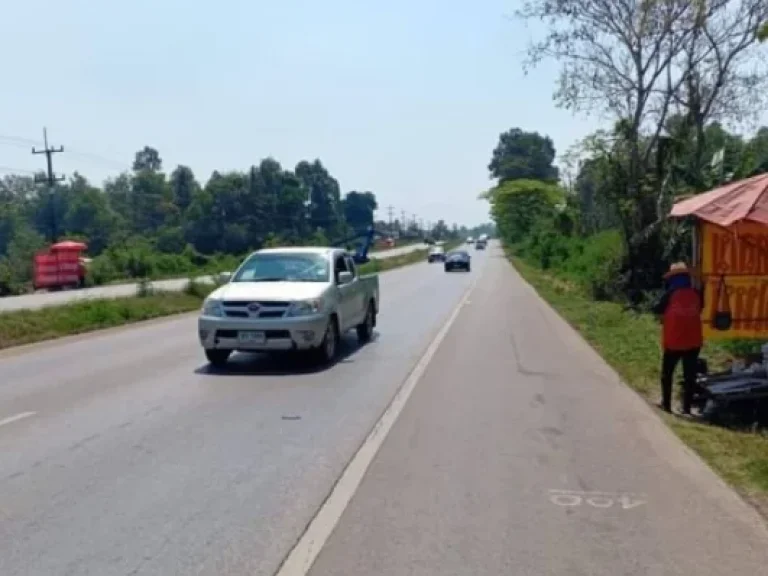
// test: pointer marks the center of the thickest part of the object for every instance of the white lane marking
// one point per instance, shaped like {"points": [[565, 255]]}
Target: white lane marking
{"points": [[595, 499], [16, 418], [303, 555]]}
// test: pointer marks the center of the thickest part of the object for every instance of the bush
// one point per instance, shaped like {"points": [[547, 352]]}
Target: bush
{"points": [[28, 326], [139, 260], [596, 262], [199, 289], [593, 262]]}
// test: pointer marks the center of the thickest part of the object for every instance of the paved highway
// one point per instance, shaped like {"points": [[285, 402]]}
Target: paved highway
{"points": [[43, 299], [517, 452]]}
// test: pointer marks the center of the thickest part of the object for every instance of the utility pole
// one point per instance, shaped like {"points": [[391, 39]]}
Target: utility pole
{"points": [[50, 179], [390, 211]]}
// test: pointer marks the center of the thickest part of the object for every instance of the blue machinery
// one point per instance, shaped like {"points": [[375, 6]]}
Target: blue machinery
{"points": [[361, 254]]}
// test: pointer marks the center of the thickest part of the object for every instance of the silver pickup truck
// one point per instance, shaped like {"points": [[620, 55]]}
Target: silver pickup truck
{"points": [[283, 299]]}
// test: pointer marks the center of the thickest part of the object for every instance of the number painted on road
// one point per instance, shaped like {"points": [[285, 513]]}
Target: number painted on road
{"points": [[604, 500], [600, 502], [566, 499]]}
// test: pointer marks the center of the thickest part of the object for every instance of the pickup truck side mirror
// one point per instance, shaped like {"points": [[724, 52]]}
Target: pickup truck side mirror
{"points": [[345, 277], [225, 277]]}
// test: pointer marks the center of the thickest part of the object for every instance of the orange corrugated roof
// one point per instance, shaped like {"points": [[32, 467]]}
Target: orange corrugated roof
{"points": [[742, 200]]}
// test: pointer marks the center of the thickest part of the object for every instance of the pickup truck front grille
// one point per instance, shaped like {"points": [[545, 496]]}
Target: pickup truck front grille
{"points": [[271, 313], [266, 309], [262, 303]]}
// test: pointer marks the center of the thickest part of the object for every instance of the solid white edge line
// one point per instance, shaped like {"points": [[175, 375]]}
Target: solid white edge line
{"points": [[305, 552], [16, 418]]}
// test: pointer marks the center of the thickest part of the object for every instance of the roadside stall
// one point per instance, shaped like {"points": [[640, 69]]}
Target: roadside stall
{"points": [[61, 266], [730, 252]]}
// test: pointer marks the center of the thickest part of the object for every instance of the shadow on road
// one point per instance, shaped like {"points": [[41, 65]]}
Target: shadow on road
{"points": [[283, 364]]}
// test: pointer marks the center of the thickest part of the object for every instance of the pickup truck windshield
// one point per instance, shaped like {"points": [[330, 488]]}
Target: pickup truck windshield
{"points": [[286, 267]]}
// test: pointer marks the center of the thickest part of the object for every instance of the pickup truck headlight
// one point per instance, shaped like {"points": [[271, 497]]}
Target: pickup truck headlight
{"points": [[305, 307], [213, 308]]}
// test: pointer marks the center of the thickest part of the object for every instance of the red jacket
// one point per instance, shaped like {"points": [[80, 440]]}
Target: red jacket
{"points": [[681, 316]]}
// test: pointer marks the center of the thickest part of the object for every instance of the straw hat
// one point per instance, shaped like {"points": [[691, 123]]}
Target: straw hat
{"points": [[676, 269]]}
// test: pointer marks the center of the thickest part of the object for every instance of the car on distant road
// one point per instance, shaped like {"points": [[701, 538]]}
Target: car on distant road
{"points": [[436, 254], [289, 299], [480, 245], [457, 260], [470, 240]]}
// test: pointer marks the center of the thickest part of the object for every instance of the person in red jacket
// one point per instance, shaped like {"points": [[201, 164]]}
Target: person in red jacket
{"points": [[680, 310]]}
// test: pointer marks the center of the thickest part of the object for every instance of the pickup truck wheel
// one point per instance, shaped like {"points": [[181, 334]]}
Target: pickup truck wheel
{"points": [[218, 358], [327, 351], [365, 330]]}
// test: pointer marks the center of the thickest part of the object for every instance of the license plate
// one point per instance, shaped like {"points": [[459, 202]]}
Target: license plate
{"points": [[252, 338]]}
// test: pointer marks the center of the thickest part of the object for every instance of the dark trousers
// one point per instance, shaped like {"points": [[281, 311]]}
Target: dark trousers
{"points": [[668, 364]]}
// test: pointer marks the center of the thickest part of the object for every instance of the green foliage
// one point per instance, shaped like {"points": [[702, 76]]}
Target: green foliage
{"points": [[144, 224], [200, 289], [28, 326], [359, 208], [599, 236], [593, 262], [518, 205], [522, 155]]}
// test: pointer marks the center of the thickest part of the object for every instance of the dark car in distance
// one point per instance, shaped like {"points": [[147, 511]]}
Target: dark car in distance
{"points": [[457, 260]]}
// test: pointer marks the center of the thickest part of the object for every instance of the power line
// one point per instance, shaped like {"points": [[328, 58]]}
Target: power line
{"points": [[50, 178], [11, 170], [98, 158]]}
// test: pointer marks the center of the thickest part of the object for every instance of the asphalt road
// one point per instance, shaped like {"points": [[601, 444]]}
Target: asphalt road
{"points": [[121, 454], [519, 452], [44, 299]]}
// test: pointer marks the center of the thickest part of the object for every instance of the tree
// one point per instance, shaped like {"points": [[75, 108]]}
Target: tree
{"points": [[88, 215], [324, 196], [615, 59], [638, 62], [142, 223], [523, 155], [719, 78], [151, 202], [755, 159], [359, 208], [183, 187], [147, 159], [518, 205], [440, 230]]}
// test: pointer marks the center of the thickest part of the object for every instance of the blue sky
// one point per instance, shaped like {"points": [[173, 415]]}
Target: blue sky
{"points": [[403, 98]]}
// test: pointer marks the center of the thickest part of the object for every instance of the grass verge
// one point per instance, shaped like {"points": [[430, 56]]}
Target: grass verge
{"points": [[629, 342], [30, 326]]}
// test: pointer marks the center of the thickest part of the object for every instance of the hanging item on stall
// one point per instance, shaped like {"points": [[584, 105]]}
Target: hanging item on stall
{"points": [[722, 319]]}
